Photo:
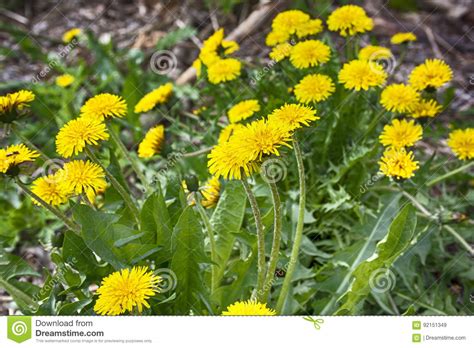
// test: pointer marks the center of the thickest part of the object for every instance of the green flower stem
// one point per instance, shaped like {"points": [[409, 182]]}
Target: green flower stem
{"points": [[299, 231], [373, 124], [28, 142], [59, 214], [123, 193], [419, 303], [460, 239], [198, 152], [431, 216], [212, 242], [277, 224], [401, 58], [450, 174], [133, 162], [260, 237]]}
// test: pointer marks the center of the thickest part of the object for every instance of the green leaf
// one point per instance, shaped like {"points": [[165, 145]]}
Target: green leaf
{"points": [[13, 266], [95, 228], [226, 222], [174, 37], [188, 246], [380, 226], [397, 240], [175, 193], [76, 253], [74, 307], [20, 297], [132, 94], [156, 223]]}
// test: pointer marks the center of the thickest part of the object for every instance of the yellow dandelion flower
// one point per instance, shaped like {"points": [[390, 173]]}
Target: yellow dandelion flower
{"points": [[210, 192], [400, 38], [247, 145], [461, 142], [372, 52], [126, 290], [293, 116], [425, 108], [159, 95], [225, 160], [16, 101], [213, 42], [398, 163], [69, 35], [224, 70], [399, 98], [227, 132], [314, 88], [64, 80], [289, 21], [197, 65], [432, 73], [311, 27], [151, 144], [243, 110], [309, 53], [349, 20], [230, 46], [76, 134], [5, 161], [199, 111], [84, 177], [52, 189], [208, 57], [264, 138], [280, 51], [103, 106], [401, 133], [15, 155], [250, 307], [276, 37], [361, 74]]}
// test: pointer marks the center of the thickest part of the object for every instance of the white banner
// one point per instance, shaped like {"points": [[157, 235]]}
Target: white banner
{"points": [[236, 332]]}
